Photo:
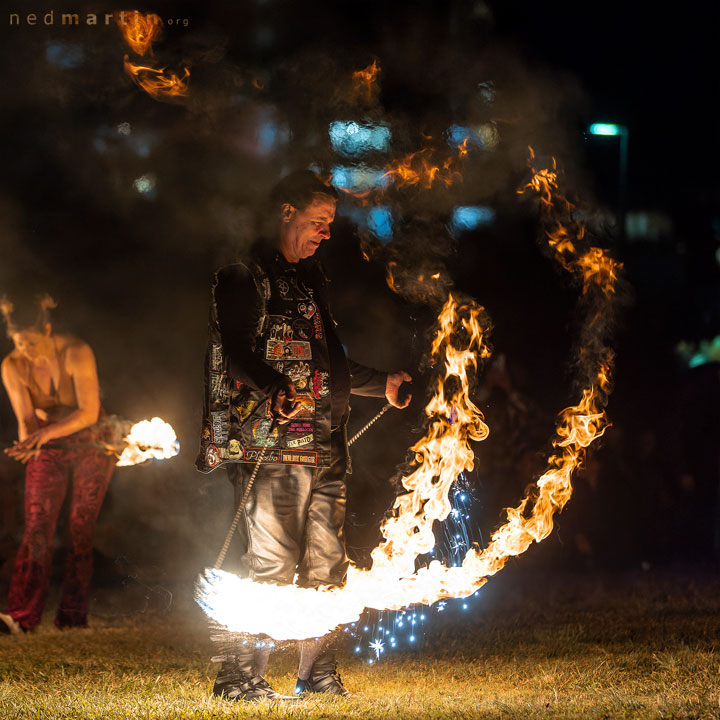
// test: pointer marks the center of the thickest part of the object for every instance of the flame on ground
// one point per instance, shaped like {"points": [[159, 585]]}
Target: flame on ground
{"points": [[149, 440], [392, 582]]}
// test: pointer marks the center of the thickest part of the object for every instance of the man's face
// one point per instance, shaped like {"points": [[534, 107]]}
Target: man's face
{"points": [[304, 230]]}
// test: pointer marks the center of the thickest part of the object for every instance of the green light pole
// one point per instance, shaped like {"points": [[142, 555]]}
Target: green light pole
{"points": [[611, 129]]}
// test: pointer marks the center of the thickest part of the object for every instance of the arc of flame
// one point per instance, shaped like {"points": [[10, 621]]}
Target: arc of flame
{"points": [[444, 452], [149, 440], [157, 81]]}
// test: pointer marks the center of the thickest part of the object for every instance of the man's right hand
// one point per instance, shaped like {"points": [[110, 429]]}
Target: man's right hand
{"points": [[284, 407]]}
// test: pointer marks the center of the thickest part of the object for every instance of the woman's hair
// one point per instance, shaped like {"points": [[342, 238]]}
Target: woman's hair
{"points": [[27, 316]]}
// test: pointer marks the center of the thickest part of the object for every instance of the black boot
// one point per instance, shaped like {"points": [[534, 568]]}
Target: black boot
{"points": [[323, 678], [236, 679]]}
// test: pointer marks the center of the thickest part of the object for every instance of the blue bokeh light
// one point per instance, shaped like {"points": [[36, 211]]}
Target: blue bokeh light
{"points": [[378, 220], [353, 139], [484, 136], [470, 217], [359, 178], [64, 55]]}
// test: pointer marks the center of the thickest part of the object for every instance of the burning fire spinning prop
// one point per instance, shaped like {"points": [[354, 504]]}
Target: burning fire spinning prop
{"points": [[145, 440], [139, 32], [392, 582]]}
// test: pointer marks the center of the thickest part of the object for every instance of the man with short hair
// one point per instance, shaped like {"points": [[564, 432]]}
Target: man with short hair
{"points": [[278, 384]]}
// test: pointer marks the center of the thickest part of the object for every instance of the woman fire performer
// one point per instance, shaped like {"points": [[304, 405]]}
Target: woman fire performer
{"points": [[53, 387]]}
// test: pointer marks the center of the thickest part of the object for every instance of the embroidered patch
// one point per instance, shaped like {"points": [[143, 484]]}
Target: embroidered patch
{"points": [[252, 454], [245, 409], [296, 350], [306, 309], [264, 434], [218, 388], [219, 425], [283, 287], [280, 330], [299, 428], [317, 323], [234, 450], [298, 457], [212, 457], [215, 357], [302, 329], [298, 442], [306, 405], [320, 384]]}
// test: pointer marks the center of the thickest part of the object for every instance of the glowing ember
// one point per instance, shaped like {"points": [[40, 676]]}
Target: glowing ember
{"points": [[139, 31], [149, 440], [157, 82], [392, 582], [364, 81]]}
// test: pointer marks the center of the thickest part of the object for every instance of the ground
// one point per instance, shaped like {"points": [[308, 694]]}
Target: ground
{"points": [[636, 645]]}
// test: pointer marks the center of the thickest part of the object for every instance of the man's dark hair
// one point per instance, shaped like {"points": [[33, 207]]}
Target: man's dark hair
{"points": [[299, 189]]}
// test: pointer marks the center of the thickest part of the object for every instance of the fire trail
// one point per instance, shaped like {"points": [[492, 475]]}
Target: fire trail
{"points": [[454, 422]]}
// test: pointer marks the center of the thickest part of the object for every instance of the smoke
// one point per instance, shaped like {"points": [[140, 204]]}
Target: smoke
{"points": [[122, 206]]}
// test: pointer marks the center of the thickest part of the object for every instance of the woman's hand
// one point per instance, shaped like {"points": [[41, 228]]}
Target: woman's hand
{"points": [[26, 449]]}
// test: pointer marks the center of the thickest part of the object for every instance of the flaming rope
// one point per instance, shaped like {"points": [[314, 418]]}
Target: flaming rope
{"points": [[392, 582]]}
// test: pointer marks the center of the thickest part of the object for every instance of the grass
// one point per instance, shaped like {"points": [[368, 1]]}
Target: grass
{"points": [[542, 646]]}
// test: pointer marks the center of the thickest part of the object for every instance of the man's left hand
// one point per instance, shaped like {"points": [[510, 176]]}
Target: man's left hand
{"points": [[392, 389]]}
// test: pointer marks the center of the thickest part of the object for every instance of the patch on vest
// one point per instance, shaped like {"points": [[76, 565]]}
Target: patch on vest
{"points": [[306, 309], [299, 442], [296, 350], [218, 388], [264, 434], [216, 357], [219, 427]]}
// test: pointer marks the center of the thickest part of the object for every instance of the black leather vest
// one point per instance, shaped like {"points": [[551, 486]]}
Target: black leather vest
{"points": [[291, 338]]}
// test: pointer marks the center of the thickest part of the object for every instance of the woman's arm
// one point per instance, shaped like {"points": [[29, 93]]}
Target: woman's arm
{"points": [[81, 367], [19, 399]]}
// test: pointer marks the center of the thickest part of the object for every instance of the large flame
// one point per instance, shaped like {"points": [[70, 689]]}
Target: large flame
{"points": [[149, 440], [392, 582]]}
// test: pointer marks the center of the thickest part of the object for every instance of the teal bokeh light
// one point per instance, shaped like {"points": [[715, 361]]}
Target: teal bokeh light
{"points": [[607, 129]]}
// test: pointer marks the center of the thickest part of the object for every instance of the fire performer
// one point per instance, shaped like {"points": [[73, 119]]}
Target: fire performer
{"points": [[53, 387], [278, 385]]}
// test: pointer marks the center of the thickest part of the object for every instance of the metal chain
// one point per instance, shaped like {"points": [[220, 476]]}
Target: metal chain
{"points": [[368, 425], [246, 494]]}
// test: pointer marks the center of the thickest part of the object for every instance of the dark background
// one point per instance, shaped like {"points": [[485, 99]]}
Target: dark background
{"points": [[131, 270]]}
